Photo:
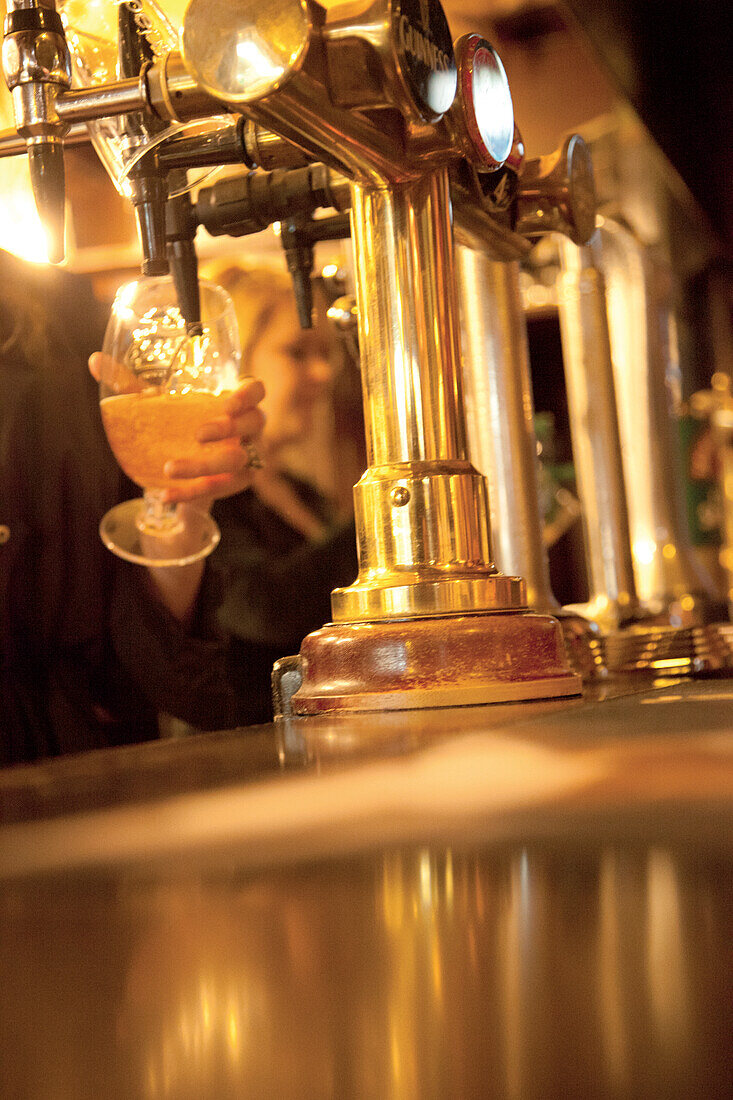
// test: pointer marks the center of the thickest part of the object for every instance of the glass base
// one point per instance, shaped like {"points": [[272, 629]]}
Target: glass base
{"points": [[120, 531]]}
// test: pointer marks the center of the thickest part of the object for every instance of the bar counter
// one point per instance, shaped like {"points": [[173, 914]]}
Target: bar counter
{"points": [[512, 901]]}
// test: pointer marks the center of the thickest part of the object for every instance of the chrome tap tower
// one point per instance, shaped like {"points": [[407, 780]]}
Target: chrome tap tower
{"points": [[659, 612]]}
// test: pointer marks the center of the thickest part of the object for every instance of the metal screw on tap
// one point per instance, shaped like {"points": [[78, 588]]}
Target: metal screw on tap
{"points": [[400, 496]]}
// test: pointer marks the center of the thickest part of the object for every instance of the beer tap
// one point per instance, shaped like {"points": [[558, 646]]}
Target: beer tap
{"points": [[163, 211], [502, 441], [369, 91], [250, 203], [658, 612], [557, 194], [37, 67], [180, 233], [645, 361], [147, 181], [496, 374], [595, 436], [495, 369], [428, 593]]}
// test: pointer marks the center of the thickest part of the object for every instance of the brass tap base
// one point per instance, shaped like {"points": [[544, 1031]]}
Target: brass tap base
{"points": [[462, 594], [584, 644], [671, 650], [434, 662]]}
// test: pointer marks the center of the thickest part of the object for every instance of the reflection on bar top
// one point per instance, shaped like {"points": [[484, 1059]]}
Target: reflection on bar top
{"points": [[460, 775]]}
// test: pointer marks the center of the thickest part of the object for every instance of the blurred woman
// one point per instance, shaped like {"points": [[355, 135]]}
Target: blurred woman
{"points": [[202, 639]]}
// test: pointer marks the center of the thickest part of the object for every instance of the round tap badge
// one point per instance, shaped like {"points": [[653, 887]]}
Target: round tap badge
{"points": [[485, 100], [425, 56], [581, 190]]}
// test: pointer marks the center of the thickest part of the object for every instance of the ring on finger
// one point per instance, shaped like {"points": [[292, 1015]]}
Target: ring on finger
{"points": [[254, 461]]}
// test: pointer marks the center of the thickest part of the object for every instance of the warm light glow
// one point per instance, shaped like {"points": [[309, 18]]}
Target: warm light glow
{"points": [[21, 231], [645, 550], [538, 295], [232, 1027], [669, 550], [253, 56], [426, 886], [449, 881]]}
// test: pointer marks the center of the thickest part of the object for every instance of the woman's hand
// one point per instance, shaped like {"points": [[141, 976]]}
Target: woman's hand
{"points": [[230, 467], [228, 470]]}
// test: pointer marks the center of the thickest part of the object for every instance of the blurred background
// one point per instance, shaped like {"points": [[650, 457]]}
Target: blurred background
{"points": [[646, 85]]}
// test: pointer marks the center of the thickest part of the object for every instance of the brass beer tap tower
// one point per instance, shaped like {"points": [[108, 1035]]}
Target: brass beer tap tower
{"points": [[430, 620], [372, 91]]}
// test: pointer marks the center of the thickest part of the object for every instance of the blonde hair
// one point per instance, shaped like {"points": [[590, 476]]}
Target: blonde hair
{"points": [[257, 294]]}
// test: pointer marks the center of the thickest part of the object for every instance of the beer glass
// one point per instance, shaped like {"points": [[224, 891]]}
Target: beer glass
{"points": [[159, 383]]}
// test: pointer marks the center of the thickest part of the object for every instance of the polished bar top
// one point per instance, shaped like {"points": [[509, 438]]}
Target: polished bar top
{"points": [[627, 748], [522, 902]]}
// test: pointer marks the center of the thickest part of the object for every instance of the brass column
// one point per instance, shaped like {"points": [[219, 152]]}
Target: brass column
{"points": [[416, 629], [421, 508]]}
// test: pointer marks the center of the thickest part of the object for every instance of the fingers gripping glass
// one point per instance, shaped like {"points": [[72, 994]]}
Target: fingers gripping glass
{"points": [[158, 386]]}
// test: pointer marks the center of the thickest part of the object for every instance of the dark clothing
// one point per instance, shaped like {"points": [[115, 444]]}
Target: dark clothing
{"points": [[61, 688], [88, 656], [265, 587]]}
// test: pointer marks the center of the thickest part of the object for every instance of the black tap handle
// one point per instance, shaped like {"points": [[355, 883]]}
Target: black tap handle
{"points": [[147, 178], [299, 258], [180, 230], [46, 164], [134, 48], [149, 196]]}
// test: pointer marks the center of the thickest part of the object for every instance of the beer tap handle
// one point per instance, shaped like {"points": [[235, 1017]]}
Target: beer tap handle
{"points": [[181, 226], [133, 51], [147, 178], [298, 249], [298, 237], [37, 67], [557, 194]]}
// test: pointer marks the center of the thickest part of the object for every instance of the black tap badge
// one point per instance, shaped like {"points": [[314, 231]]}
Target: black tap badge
{"points": [[425, 55]]}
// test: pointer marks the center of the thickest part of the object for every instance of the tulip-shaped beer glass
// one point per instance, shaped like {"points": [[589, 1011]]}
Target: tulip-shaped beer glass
{"points": [[159, 383]]}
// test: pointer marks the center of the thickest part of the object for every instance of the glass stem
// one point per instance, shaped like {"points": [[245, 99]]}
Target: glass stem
{"points": [[159, 516]]}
